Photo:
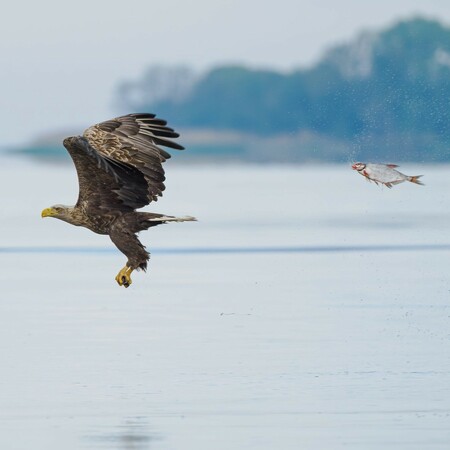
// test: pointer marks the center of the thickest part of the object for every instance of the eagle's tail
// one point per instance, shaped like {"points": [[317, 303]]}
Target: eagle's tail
{"points": [[147, 220], [164, 219]]}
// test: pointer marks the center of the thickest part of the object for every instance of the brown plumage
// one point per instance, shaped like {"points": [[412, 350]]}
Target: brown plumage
{"points": [[119, 167]]}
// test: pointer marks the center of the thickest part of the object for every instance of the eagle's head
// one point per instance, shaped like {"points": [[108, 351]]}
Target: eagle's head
{"points": [[61, 212]]}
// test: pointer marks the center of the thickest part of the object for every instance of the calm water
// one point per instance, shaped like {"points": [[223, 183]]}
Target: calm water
{"points": [[307, 309]]}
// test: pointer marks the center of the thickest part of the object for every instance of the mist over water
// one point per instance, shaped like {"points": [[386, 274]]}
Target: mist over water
{"points": [[306, 309]]}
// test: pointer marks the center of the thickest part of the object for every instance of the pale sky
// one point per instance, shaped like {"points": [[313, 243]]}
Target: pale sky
{"points": [[61, 61]]}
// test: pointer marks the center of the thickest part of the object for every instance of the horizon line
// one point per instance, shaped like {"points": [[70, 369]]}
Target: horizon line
{"points": [[235, 249]]}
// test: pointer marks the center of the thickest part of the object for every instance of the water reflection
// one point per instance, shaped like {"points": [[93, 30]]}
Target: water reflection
{"points": [[133, 434]]}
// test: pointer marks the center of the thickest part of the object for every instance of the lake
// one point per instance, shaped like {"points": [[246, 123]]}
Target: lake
{"points": [[306, 309]]}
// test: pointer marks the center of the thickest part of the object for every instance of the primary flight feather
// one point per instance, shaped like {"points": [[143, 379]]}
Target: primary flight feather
{"points": [[119, 167]]}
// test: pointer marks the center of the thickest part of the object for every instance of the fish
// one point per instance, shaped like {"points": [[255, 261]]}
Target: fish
{"points": [[384, 173]]}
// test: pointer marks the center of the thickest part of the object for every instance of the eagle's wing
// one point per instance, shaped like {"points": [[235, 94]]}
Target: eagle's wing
{"points": [[119, 162]]}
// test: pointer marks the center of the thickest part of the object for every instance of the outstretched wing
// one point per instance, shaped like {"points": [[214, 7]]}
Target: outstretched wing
{"points": [[104, 184], [119, 162]]}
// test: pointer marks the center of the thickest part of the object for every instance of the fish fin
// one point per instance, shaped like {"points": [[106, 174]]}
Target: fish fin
{"points": [[392, 166], [415, 179], [388, 185]]}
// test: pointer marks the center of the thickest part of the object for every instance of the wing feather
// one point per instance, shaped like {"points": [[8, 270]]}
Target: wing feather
{"points": [[135, 140], [105, 184], [119, 161]]}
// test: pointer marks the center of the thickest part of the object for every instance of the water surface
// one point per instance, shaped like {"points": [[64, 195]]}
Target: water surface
{"points": [[306, 309]]}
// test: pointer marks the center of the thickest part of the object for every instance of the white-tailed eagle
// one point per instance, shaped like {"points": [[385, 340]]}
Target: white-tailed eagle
{"points": [[119, 167]]}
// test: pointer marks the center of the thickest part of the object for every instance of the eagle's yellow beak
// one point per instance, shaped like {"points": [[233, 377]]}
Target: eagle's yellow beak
{"points": [[47, 212]]}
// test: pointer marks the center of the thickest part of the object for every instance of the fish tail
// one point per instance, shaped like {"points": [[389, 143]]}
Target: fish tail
{"points": [[415, 179]]}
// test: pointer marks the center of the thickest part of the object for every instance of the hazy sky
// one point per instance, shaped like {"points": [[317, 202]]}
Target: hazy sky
{"points": [[61, 61]]}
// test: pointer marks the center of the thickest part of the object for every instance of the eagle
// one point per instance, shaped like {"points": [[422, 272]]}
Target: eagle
{"points": [[119, 168]]}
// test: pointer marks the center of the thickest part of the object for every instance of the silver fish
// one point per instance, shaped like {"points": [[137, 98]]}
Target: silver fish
{"points": [[384, 174]]}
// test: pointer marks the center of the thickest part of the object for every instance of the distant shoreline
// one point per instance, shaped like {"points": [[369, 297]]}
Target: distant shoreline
{"points": [[209, 145]]}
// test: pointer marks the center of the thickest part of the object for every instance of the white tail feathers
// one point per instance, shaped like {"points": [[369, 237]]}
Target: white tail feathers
{"points": [[172, 219]]}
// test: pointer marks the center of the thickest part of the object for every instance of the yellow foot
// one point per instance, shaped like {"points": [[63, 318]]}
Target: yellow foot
{"points": [[124, 276]]}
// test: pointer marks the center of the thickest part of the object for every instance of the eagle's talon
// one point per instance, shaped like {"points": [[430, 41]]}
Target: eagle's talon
{"points": [[123, 278]]}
